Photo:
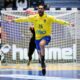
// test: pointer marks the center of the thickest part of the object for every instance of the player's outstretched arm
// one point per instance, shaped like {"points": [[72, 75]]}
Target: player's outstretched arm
{"points": [[63, 22], [25, 19], [20, 20]]}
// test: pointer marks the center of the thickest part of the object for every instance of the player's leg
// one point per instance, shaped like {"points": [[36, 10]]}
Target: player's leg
{"points": [[42, 49], [45, 40], [0, 52], [0, 59], [32, 44], [40, 45], [32, 47]]}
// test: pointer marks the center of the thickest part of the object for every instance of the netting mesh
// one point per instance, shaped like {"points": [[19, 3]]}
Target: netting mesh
{"points": [[78, 36], [64, 45]]}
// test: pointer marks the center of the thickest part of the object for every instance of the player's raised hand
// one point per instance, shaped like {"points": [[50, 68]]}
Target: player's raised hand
{"points": [[10, 19], [32, 27], [72, 24]]}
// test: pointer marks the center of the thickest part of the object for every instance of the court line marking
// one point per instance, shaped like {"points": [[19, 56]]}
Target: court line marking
{"points": [[35, 77]]}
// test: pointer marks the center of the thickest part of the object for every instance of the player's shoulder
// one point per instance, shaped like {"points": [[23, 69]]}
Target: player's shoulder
{"points": [[36, 15]]}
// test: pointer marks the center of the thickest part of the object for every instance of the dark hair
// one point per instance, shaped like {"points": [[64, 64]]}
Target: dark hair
{"points": [[21, 1], [41, 5], [44, 6]]}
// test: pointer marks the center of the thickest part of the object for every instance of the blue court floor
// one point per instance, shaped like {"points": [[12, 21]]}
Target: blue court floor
{"points": [[54, 72]]}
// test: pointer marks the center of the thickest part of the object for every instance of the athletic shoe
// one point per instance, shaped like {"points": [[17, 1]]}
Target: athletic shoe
{"points": [[43, 71], [43, 68]]}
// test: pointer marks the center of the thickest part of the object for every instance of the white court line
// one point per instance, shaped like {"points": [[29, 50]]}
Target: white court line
{"points": [[14, 70], [9, 69], [35, 77]]}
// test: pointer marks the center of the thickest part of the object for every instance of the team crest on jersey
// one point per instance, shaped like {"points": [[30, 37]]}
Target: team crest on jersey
{"points": [[44, 20]]}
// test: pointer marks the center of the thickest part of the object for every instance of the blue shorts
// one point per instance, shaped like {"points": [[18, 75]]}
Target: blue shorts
{"points": [[46, 38]]}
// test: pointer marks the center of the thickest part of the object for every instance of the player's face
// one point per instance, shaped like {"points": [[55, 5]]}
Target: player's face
{"points": [[41, 10]]}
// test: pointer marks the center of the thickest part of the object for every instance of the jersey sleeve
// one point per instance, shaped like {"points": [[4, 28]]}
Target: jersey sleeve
{"points": [[25, 19], [59, 21]]}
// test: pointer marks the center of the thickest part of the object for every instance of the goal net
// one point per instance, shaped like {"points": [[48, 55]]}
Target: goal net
{"points": [[64, 45]]}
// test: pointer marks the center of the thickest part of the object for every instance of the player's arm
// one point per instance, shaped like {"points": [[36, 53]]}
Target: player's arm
{"points": [[32, 29], [62, 22], [24, 19]]}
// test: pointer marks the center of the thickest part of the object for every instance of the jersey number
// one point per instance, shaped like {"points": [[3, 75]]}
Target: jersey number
{"points": [[40, 26]]}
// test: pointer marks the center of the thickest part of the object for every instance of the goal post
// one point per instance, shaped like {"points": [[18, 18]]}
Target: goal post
{"points": [[64, 39]]}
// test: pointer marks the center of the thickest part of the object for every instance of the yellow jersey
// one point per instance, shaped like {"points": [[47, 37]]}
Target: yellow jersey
{"points": [[42, 25]]}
